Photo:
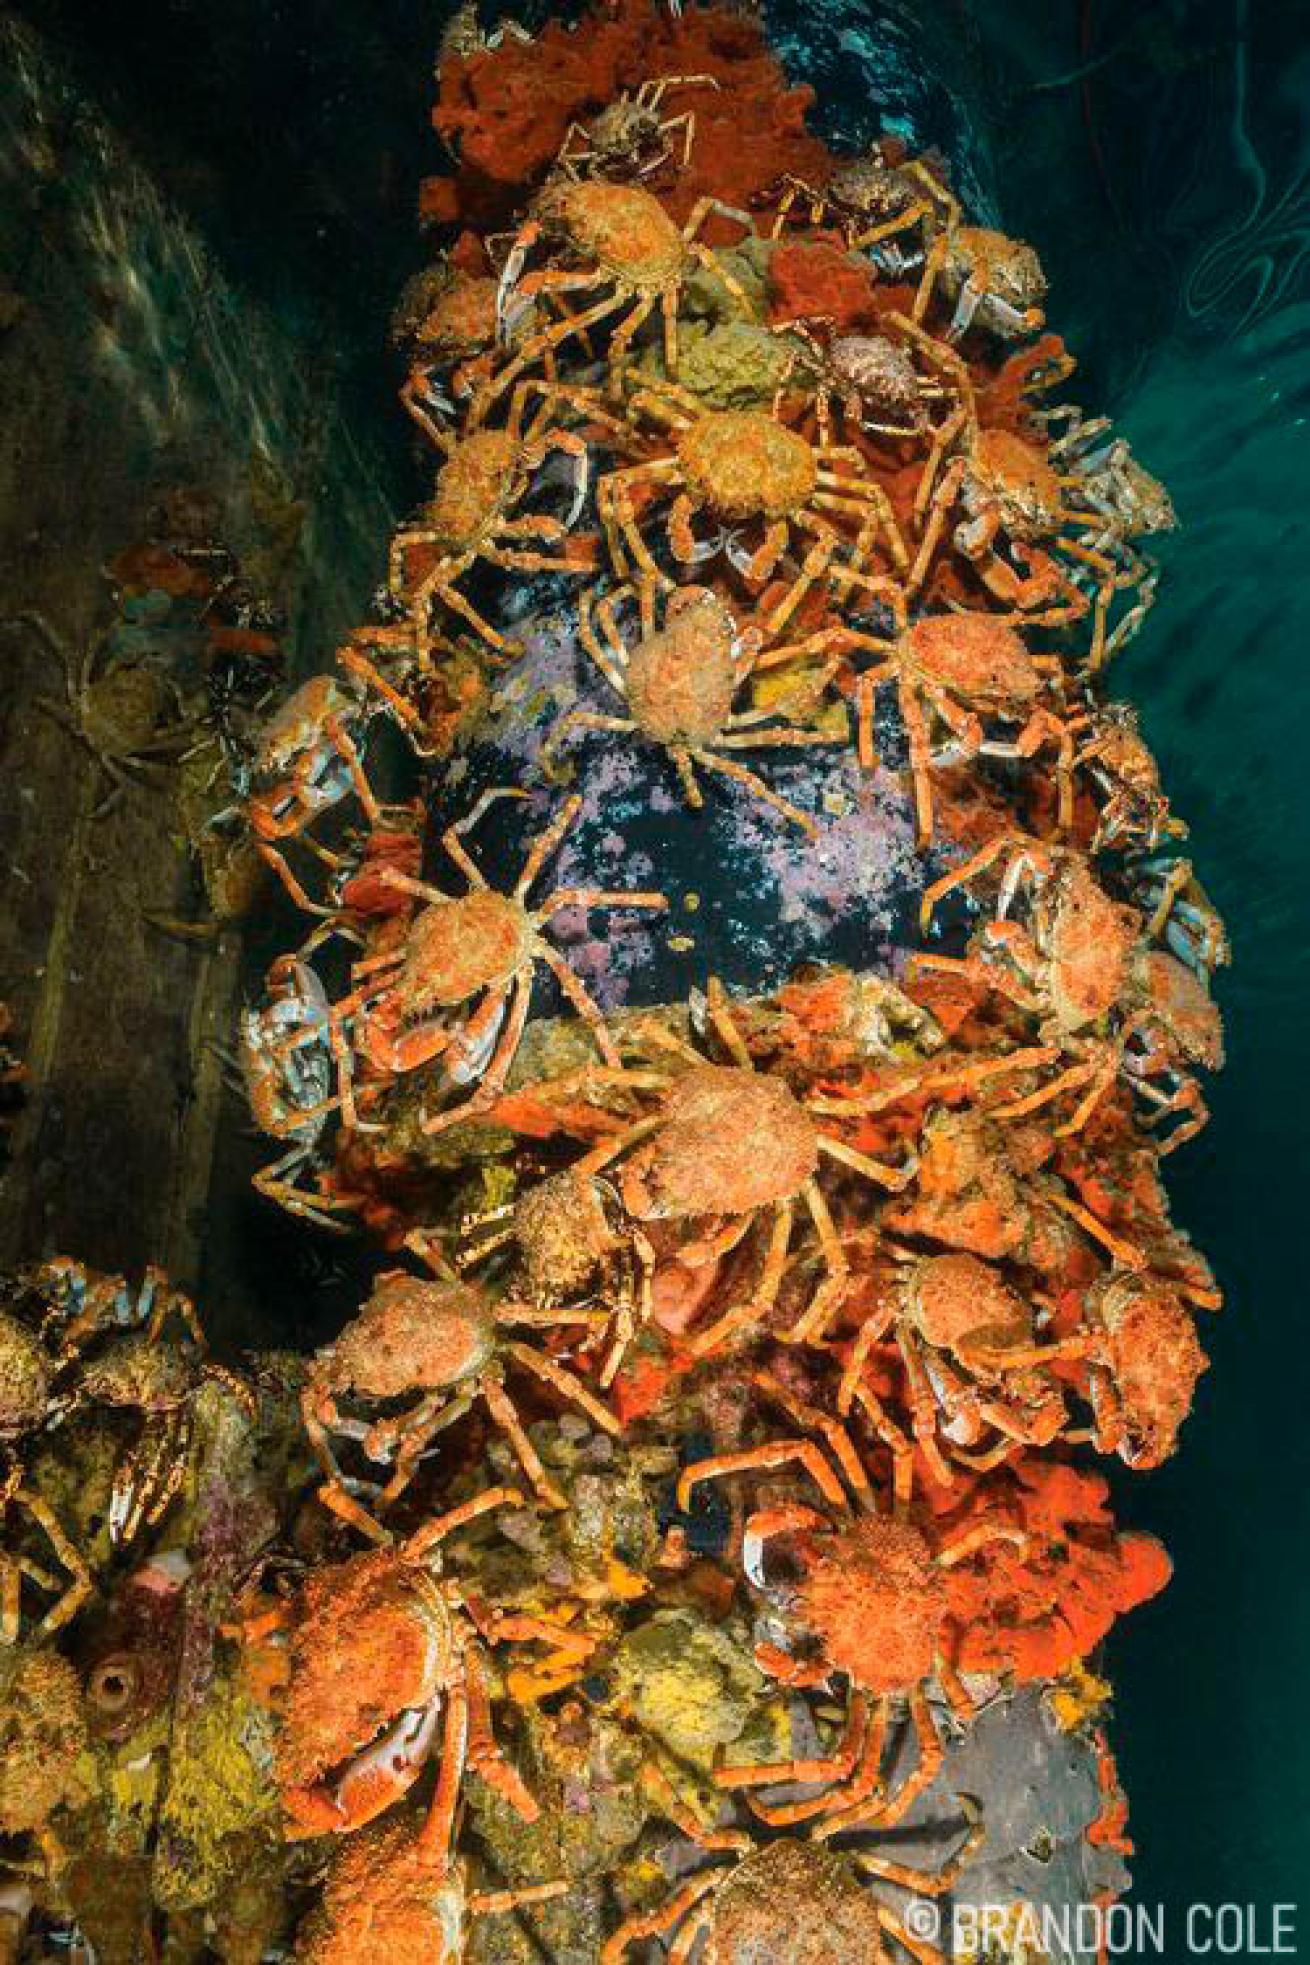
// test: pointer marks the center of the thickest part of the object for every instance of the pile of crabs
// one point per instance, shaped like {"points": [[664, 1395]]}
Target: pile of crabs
{"points": [[719, 1438]]}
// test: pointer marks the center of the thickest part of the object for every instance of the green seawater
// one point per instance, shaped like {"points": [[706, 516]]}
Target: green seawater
{"points": [[1168, 185], [1209, 1677]]}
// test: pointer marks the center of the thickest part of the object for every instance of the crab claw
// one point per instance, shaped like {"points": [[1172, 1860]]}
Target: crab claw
{"points": [[373, 1782], [508, 313]]}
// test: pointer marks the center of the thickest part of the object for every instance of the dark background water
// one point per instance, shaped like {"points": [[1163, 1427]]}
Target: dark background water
{"points": [[1159, 157]]}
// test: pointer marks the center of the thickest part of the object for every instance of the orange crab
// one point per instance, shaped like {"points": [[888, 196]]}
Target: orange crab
{"points": [[618, 241], [450, 330], [474, 511], [1003, 489], [1080, 965], [680, 683], [961, 668], [307, 760], [1076, 954], [385, 1654], [726, 1144], [1144, 1362], [794, 1900], [967, 1341], [1116, 757], [418, 1355], [863, 1594], [994, 281], [761, 485], [459, 985], [387, 1896]]}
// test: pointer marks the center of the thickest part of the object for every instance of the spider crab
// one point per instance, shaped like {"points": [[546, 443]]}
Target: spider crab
{"points": [[287, 1067], [1137, 1338], [103, 1343], [1102, 995], [680, 682], [618, 241], [960, 668], [138, 1372], [387, 1667], [1144, 1360], [127, 717], [459, 986], [1002, 488], [449, 324], [993, 281], [865, 1597], [1131, 502], [387, 1896], [308, 759], [630, 138], [1116, 757], [417, 1357], [795, 1900], [475, 511], [871, 379], [1179, 911], [573, 1248], [973, 1367], [750, 475], [870, 200], [687, 1164]]}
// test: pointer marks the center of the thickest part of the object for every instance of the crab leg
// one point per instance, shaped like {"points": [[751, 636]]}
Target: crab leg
{"points": [[427, 1537], [436, 1837], [777, 1453], [502, 1410], [483, 1754], [710, 761], [519, 989], [664, 1918], [667, 1799], [565, 1384]]}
